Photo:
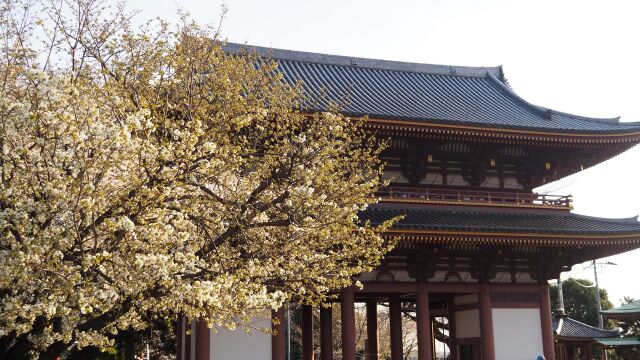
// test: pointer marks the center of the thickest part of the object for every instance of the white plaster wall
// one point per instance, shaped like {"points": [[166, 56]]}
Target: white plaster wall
{"points": [[467, 324], [517, 334], [237, 344]]}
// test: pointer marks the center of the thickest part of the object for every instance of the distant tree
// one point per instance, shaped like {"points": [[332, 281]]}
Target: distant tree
{"points": [[580, 301]]}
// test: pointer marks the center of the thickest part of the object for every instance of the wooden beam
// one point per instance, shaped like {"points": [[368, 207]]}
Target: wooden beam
{"points": [[447, 288]]}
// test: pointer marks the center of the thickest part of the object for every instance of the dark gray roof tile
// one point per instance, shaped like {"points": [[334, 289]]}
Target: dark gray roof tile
{"points": [[428, 93], [567, 327], [626, 309], [489, 221]]}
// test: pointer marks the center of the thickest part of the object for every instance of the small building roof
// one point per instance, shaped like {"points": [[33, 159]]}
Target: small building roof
{"points": [[424, 93], [427, 219], [568, 328], [615, 342], [630, 310]]}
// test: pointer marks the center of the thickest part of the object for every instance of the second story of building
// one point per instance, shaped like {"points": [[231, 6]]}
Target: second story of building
{"points": [[456, 135]]}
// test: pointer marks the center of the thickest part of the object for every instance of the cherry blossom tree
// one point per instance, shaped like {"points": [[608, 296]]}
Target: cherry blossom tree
{"points": [[146, 174]]}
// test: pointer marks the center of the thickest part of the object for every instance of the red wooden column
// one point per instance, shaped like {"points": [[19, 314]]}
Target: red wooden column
{"points": [[277, 339], [486, 323], [372, 331], [179, 337], [306, 314], [348, 324], [453, 342], [395, 314], [424, 323], [326, 333], [187, 339], [545, 322], [203, 341]]}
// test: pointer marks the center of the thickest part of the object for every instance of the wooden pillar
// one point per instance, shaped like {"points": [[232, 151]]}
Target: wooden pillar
{"points": [[203, 341], [423, 323], [187, 339], [180, 337], [372, 331], [348, 324], [453, 343], [306, 315], [545, 322], [278, 326], [326, 333], [486, 323], [395, 322]]}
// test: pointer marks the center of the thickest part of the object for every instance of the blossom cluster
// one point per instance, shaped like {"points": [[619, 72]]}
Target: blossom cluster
{"points": [[183, 182]]}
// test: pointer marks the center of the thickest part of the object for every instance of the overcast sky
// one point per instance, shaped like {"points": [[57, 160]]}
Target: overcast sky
{"points": [[576, 56]]}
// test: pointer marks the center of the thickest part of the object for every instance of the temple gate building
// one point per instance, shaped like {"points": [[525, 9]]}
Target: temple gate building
{"points": [[477, 245]]}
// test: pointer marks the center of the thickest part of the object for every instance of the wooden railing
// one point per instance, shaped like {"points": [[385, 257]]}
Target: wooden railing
{"points": [[419, 195]]}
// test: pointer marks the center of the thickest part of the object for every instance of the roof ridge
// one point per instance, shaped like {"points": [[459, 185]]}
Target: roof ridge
{"points": [[509, 91], [560, 323], [360, 62]]}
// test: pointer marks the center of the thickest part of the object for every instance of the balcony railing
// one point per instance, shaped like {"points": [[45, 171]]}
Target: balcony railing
{"points": [[471, 197]]}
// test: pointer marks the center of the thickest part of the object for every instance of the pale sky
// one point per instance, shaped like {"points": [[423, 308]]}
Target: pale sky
{"points": [[576, 56]]}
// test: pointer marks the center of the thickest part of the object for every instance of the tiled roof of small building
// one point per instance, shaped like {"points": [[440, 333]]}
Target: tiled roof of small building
{"points": [[457, 95], [493, 222], [626, 309], [616, 342], [567, 327]]}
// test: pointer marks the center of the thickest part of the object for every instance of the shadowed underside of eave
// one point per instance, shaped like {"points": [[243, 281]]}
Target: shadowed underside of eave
{"points": [[572, 250]]}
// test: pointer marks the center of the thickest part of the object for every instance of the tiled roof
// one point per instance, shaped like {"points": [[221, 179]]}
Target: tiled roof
{"points": [[508, 222], [632, 308], [619, 342], [567, 327], [456, 95]]}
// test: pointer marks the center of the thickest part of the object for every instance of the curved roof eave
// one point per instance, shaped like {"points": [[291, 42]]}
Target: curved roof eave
{"points": [[496, 222], [378, 64], [544, 111], [548, 111]]}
